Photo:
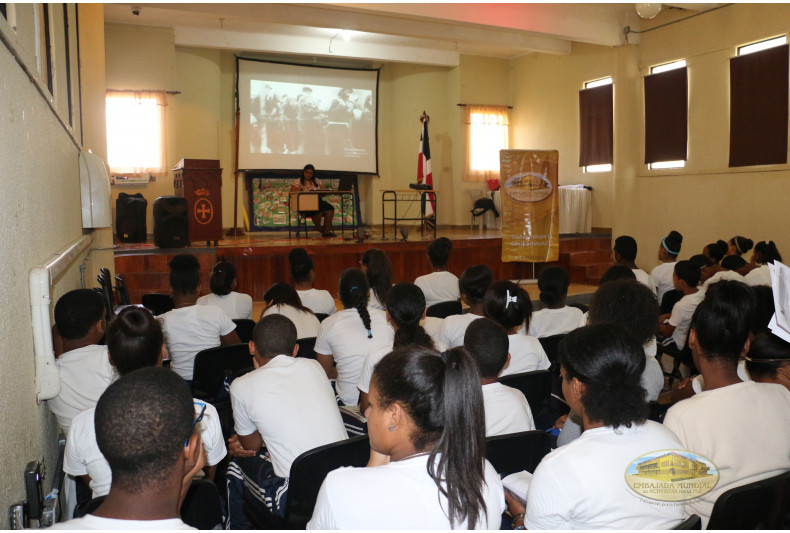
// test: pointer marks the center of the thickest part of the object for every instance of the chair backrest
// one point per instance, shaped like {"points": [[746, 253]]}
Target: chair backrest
{"points": [[321, 316], [535, 385], [517, 451], [212, 366], [121, 292], [244, 327], [551, 345], [444, 309], [105, 289], [306, 348], [658, 411], [202, 507], [759, 505], [158, 303], [692, 522], [309, 470]]}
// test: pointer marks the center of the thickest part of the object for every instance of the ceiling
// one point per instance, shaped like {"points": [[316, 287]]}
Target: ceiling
{"points": [[435, 34]]}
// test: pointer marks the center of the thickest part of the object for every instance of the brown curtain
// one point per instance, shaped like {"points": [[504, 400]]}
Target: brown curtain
{"points": [[596, 125], [758, 108], [666, 116]]}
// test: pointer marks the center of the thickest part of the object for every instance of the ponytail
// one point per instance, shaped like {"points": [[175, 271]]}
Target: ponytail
{"points": [[406, 306], [353, 289], [412, 334]]}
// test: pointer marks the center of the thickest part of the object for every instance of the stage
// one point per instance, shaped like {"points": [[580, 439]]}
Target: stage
{"points": [[261, 258]]}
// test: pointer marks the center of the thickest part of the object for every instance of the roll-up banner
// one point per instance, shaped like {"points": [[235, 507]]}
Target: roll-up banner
{"points": [[530, 205]]}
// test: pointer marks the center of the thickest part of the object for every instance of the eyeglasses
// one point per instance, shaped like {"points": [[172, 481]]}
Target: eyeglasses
{"points": [[195, 421]]}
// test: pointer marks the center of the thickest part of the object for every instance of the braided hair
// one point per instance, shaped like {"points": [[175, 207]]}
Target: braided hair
{"points": [[354, 292]]}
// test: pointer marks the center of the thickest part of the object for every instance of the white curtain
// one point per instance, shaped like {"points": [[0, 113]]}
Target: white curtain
{"points": [[486, 134], [136, 141]]}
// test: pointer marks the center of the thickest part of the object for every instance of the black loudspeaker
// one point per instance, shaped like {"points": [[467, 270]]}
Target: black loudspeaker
{"points": [[130, 217], [171, 226]]}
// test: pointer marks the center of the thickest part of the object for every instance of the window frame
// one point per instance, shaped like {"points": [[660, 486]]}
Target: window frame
{"points": [[658, 69], [606, 167]]}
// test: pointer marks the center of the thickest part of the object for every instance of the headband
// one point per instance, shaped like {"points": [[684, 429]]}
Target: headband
{"points": [[737, 247], [765, 360], [664, 244]]}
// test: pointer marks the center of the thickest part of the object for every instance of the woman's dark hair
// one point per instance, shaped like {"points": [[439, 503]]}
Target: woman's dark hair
{"points": [[717, 250], [767, 252], [609, 361], [508, 304], [283, 294], [688, 272], [353, 289], [307, 167], [553, 283], [406, 305], [742, 244], [379, 272], [700, 261], [134, 339], [764, 307], [733, 262], [474, 282], [222, 277], [439, 251], [617, 272], [184, 274], [767, 354], [301, 264], [628, 303], [443, 398], [723, 319], [672, 242], [625, 245]]}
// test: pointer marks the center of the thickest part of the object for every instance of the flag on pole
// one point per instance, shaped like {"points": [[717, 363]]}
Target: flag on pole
{"points": [[424, 175]]}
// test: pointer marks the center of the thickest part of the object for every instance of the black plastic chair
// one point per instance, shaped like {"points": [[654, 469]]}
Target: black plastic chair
{"points": [[202, 507], [551, 346], [306, 348], [106, 290], [518, 451], [244, 327], [658, 411], [763, 504], [692, 522], [158, 303], [321, 316], [88, 507], [535, 385], [214, 366], [308, 472], [121, 292], [444, 309]]}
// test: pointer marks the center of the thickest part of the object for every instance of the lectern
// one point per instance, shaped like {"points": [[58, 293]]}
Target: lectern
{"points": [[200, 182]]}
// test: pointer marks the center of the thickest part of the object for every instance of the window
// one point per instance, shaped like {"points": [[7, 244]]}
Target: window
{"points": [[666, 116], [597, 128], [135, 132], [487, 134], [762, 45]]}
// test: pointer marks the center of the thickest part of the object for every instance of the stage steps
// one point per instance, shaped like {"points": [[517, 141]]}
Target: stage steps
{"points": [[585, 258]]}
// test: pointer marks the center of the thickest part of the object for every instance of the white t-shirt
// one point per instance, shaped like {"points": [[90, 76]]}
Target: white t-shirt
{"points": [[371, 360], [84, 375], [507, 410], [526, 355], [439, 287], [307, 324], [758, 276], [582, 485], [548, 322], [644, 278], [319, 301], [235, 304], [82, 455], [662, 278], [698, 383], [653, 376], [96, 522], [681, 316], [399, 495], [723, 275], [290, 403], [375, 303], [191, 329], [343, 336], [454, 329], [743, 428], [433, 327]]}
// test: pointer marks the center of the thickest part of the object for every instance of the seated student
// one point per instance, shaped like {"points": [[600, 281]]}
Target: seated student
{"points": [[376, 266], [405, 309], [715, 251], [134, 340], [190, 328], [582, 485], [223, 284], [556, 317], [741, 426], [728, 270], [765, 253], [612, 273], [326, 211], [348, 336], [427, 468], [141, 421], [668, 252], [440, 285], [674, 326], [472, 285], [506, 408], [768, 360], [287, 405], [510, 306], [85, 368], [303, 274], [739, 245], [624, 253], [282, 299]]}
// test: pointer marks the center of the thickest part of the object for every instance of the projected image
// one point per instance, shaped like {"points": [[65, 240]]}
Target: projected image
{"points": [[293, 118]]}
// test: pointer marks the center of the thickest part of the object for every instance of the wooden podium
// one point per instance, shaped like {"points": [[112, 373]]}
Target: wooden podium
{"points": [[200, 182]]}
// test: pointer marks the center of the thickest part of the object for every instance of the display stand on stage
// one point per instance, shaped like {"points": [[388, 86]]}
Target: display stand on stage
{"points": [[200, 182]]}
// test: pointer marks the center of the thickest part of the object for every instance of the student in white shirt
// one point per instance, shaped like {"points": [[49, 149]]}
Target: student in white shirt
{"points": [[440, 285], [768, 360], [674, 327], [715, 251], [303, 274], [510, 306], [378, 270], [741, 426], [582, 485], [506, 408], [472, 285], [148, 409], [624, 253], [419, 476], [282, 299], [668, 252], [739, 245], [765, 253], [556, 318], [223, 285]]}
